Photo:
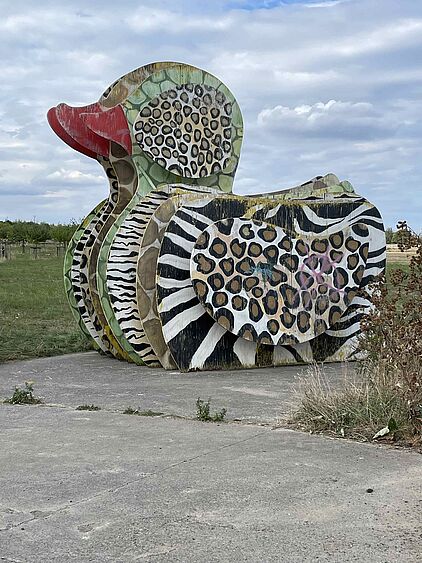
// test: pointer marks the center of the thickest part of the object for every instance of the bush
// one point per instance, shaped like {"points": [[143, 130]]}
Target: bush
{"points": [[386, 398], [392, 333]]}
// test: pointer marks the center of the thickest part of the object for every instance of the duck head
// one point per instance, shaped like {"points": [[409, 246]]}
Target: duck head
{"points": [[176, 122]]}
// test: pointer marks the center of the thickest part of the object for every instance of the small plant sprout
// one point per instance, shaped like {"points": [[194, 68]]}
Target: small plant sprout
{"points": [[137, 412], [88, 408], [203, 412], [24, 396]]}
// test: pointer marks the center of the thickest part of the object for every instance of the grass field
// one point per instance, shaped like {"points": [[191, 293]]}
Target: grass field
{"points": [[34, 315]]}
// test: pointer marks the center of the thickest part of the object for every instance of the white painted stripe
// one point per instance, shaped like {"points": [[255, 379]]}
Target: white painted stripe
{"points": [[333, 225], [362, 301], [177, 298], [372, 271], [170, 283], [187, 227], [207, 346], [282, 355], [197, 204], [350, 315], [180, 241], [245, 350], [181, 321], [273, 212], [175, 261], [345, 332], [120, 266]]}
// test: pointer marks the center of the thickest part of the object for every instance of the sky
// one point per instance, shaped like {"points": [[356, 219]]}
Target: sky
{"points": [[324, 86]]}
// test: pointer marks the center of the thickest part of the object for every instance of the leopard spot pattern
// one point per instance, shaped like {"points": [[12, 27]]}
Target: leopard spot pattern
{"points": [[265, 285]]}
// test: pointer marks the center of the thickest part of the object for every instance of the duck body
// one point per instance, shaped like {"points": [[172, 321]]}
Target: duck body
{"points": [[175, 270]]}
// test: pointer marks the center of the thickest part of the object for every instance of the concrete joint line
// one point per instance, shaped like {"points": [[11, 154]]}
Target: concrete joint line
{"points": [[111, 491]]}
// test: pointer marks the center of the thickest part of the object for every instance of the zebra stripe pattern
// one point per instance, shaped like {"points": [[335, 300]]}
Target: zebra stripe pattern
{"points": [[122, 267], [79, 267], [197, 342], [69, 261], [121, 275]]}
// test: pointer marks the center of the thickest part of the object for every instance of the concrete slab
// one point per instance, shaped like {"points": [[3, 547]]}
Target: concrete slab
{"points": [[261, 395], [107, 487]]}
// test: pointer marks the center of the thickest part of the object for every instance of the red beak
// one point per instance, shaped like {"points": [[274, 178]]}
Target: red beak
{"points": [[64, 136], [110, 124], [74, 127]]}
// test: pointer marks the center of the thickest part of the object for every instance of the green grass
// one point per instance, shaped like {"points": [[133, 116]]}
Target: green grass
{"points": [[24, 396], [203, 412], [396, 266], [35, 316]]}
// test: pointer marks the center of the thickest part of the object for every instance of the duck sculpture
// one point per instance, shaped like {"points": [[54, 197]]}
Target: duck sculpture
{"points": [[173, 269]]}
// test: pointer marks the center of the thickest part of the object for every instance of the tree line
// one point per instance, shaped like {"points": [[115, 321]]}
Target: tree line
{"points": [[34, 232], [393, 237], [22, 232]]}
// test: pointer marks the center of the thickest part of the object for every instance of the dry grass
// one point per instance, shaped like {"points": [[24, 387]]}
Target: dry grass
{"points": [[360, 407], [396, 256]]}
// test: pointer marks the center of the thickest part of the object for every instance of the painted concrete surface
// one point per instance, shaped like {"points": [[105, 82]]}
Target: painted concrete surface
{"points": [[104, 486]]}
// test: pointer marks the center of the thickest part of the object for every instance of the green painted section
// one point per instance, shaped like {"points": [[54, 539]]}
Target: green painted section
{"points": [[160, 82]]}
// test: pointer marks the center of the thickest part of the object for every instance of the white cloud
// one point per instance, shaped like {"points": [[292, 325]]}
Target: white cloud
{"points": [[333, 118], [170, 22], [73, 176], [332, 88], [66, 194], [326, 4]]}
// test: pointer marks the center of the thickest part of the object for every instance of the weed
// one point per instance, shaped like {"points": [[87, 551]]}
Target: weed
{"points": [[137, 412], [24, 396], [203, 412], [88, 408]]}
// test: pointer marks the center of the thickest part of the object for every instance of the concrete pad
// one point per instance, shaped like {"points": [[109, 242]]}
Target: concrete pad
{"points": [[106, 487], [260, 395]]}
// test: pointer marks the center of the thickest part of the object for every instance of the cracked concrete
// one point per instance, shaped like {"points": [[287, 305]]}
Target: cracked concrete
{"points": [[256, 396], [103, 486]]}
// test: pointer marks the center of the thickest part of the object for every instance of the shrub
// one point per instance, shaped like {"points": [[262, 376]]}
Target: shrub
{"points": [[385, 400]]}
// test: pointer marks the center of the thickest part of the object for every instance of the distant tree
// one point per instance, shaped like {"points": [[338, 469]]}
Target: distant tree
{"points": [[20, 232], [38, 232], [6, 230], [392, 237], [63, 233], [389, 235]]}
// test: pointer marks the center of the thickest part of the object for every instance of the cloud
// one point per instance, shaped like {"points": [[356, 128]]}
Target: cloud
{"points": [[334, 119], [175, 23], [73, 177], [323, 86], [67, 194]]}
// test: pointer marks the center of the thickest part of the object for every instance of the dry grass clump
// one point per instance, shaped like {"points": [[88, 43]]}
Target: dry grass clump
{"points": [[384, 401], [358, 409]]}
